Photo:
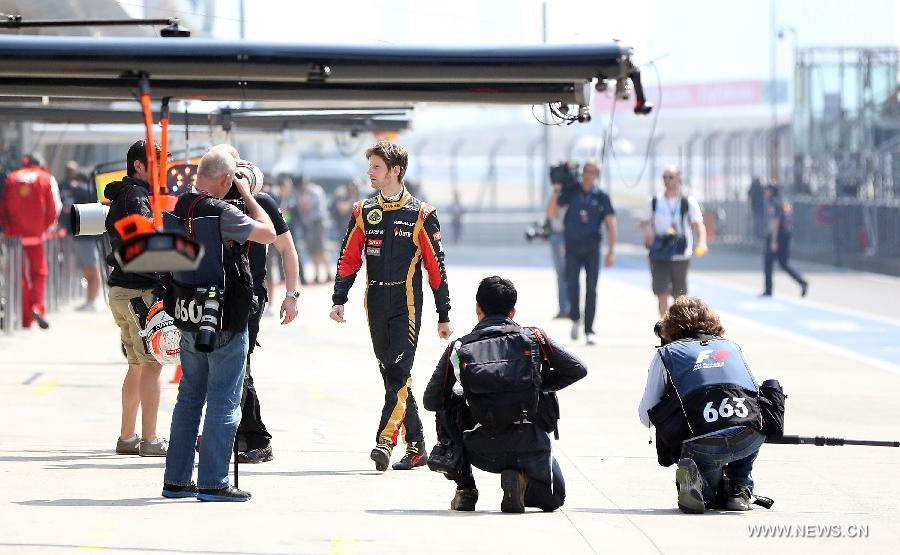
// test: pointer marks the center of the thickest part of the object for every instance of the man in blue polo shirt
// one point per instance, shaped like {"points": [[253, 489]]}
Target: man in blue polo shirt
{"points": [[588, 209]]}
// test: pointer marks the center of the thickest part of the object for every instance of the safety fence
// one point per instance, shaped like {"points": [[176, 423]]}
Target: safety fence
{"points": [[855, 233], [63, 277]]}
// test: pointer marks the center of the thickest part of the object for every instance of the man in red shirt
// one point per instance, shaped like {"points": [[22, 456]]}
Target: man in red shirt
{"points": [[29, 206]]}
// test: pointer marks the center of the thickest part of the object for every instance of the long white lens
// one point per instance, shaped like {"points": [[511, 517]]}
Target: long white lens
{"points": [[89, 219]]}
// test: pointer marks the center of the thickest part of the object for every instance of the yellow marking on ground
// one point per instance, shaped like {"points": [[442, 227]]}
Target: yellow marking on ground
{"points": [[343, 546], [97, 535], [46, 387], [316, 392]]}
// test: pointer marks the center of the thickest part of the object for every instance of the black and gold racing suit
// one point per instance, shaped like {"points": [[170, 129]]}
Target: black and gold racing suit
{"points": [[395, 236]]}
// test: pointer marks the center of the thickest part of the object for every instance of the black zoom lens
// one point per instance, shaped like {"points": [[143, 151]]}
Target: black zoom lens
{"points": [[209, 321]]}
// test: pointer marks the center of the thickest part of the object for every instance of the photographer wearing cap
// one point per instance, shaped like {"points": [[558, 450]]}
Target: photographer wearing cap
{"points": [[502, 429], [588, 210], [211, 305], [703, 400]]}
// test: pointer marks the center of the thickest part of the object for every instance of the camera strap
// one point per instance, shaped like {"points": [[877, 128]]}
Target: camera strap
{"points": [[190, 213]]}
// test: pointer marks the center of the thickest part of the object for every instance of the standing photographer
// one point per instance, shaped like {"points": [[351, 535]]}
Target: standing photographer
{"points": [[211, 305], [141, 386], [669, 225], [589, 208]]}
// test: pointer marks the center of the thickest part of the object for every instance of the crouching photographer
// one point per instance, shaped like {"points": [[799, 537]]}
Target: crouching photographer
{"points": [[710, 415], [211, 306], [485, 422]]}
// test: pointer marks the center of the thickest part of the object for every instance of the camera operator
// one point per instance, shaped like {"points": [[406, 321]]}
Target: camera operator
{"points": [[141, 387], [588, 208], [254, 439], [502, 431], [702, 399], [211, 305]]}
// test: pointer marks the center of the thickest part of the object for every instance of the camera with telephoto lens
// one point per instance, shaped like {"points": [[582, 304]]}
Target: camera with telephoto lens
{"points": [[208, 330], [564, 173], [88, 219], [254, 177], [537, 230]]}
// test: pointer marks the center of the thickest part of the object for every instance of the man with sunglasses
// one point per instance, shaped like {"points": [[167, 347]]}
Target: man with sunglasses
{"points": [[670, 224], [589, 208]]}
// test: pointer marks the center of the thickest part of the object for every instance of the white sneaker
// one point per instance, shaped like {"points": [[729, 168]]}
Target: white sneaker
{"points": [[591, 338], [574, 333], [86, 307]]}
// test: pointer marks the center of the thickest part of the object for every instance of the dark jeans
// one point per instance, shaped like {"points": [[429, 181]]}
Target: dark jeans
{"points": [[252, 432], [735, 456], [526, 449], [783, 255], [578, 257]]}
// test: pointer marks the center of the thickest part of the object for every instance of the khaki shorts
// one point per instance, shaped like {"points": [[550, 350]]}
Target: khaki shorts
{"points": [[669, 276], [119, 298]]}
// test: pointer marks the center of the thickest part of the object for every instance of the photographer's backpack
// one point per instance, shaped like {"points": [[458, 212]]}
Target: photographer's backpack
{"points": [[500, 373]]}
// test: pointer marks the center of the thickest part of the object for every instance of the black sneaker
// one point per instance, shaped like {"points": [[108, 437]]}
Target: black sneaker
{"points": [[173, 491], [415, 456], [804, 288], [254, 456], [41, 321], [464, 500], [382, 454], [739, 500], [513, 483], [229, 493]]}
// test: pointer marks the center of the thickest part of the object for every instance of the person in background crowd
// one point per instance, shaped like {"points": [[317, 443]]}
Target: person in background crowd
{"points": [[456, 216], [29, 208], [313, 208]]}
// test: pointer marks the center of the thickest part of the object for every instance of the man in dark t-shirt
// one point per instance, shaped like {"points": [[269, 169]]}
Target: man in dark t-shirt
{"points": [[254, 440], [778, 241]]}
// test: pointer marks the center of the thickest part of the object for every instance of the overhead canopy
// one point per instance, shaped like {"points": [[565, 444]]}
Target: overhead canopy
{"points": [[242, 70], [218, 60], [384, 120]]}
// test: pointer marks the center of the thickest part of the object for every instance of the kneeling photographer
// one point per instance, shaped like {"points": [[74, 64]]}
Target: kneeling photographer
{"points": [[484, 422], [211, 305], [710, 415]]}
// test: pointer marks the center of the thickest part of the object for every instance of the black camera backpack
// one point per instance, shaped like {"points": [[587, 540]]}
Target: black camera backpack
{"points": [[500, 373]]}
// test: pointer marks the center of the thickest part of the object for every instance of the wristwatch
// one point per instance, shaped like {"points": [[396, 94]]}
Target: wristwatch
{"points": [[292, 294]]}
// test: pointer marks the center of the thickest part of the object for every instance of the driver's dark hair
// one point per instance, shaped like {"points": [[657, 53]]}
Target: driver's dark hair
{"points": [[496, 296], [138, 152]]}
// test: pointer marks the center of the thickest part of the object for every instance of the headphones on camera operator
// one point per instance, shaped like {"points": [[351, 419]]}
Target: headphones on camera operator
{"points": [[218, 295]]}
